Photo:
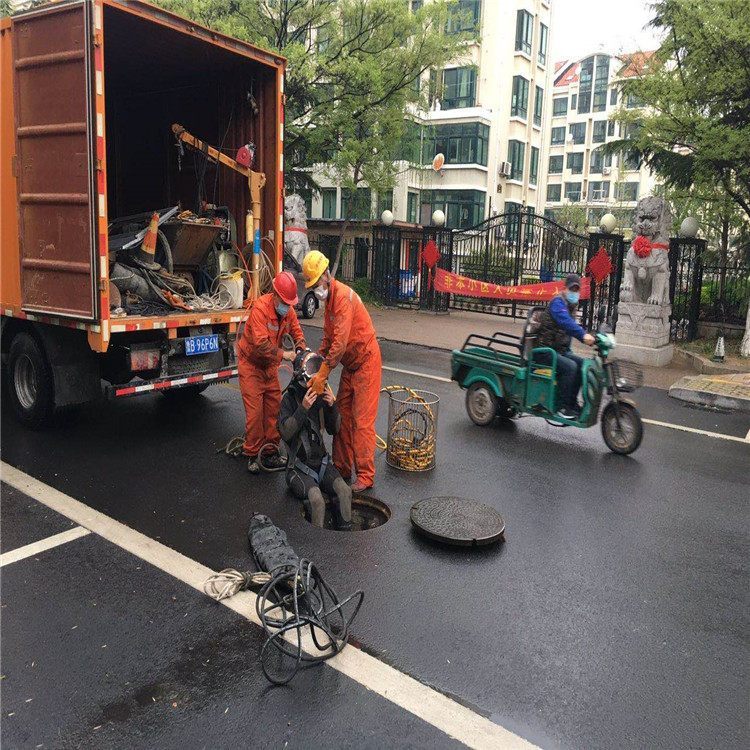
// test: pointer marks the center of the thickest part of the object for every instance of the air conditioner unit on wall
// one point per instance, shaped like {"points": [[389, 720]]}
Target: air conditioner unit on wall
{"points": [[504, 169], [606, 170]]}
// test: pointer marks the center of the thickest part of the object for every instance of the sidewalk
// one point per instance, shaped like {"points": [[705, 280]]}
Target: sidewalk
{"points": [[449, 331], [728, 391]]}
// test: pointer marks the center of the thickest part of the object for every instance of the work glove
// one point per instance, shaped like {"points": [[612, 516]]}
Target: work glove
{"points": [[318, 381]]}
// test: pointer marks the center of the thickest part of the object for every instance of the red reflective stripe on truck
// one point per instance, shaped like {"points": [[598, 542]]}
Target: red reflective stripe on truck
{"points": [[125, 391]]}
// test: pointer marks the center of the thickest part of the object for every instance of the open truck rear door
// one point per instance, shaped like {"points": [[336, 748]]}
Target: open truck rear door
{"points": [[53, 89]]}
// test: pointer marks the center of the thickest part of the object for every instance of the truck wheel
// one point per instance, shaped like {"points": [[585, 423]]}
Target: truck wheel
{"points": [[186, 393], [309, 306], [627, 437], [481, 404], [30, 381]]}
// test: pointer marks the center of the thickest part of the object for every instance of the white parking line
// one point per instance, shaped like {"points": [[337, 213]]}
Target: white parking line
{"points": [[445, 714], [29, 550]]}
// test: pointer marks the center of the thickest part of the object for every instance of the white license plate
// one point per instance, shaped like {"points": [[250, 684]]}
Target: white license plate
{"points": [[202, 344]]}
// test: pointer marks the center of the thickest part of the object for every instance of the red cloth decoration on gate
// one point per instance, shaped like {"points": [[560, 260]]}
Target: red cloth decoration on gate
{"points": [[430, 255], [600, 266]]}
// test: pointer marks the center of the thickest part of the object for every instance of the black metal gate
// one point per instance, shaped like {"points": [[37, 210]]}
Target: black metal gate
{"points": [[685, 284], [510, 249], [399, 277], [605, 293]]}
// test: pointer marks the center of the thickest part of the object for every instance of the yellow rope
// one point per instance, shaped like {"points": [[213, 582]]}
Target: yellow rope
{"points": [[412, 436]]}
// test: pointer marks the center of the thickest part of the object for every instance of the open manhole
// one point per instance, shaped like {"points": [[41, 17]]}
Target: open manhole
{"points": [[367, 513], [458, 521]]}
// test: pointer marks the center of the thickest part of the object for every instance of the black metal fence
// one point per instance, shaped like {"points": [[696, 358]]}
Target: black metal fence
{"points": [[704, 293], [356, 255]]}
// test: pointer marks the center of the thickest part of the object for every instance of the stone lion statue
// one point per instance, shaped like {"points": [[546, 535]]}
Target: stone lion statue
{"points": [[645, 275], [295, 227]]}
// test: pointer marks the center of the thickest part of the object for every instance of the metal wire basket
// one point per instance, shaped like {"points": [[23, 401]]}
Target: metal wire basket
{"points": [[412, 429], [627, 376]]}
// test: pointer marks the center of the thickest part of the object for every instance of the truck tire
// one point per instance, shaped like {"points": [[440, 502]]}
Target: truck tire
{"points": [[30, 382], [309, 306], [186, 393]]}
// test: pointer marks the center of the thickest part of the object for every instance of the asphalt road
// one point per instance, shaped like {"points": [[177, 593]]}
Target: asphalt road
{"points": [[615, 614]]}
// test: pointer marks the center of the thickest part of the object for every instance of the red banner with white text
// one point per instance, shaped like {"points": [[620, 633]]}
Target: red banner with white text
{"points": [[453, 283]]}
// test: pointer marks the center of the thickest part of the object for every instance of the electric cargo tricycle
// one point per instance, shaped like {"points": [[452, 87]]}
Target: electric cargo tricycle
{"points": [[507, 376]]}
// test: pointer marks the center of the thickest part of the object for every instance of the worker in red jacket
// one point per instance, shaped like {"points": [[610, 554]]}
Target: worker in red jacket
{"points": [[348, 338], [271, 316]]}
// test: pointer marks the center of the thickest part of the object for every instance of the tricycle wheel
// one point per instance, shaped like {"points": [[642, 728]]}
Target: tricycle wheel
{"points": [[625, 437], [481, 404]]}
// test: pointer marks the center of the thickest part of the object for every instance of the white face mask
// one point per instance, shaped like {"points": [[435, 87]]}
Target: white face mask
{"points": [[321, 292]]}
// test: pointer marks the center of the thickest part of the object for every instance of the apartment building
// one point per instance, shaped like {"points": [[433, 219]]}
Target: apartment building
{"points": [[585, 94], [486, 115]]}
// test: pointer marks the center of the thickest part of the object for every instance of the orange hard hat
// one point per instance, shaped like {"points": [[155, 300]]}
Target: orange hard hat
{"points": [[285, 285]]}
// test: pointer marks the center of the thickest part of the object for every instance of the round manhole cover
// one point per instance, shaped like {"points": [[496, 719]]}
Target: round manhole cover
{"points": [[458, 520]]}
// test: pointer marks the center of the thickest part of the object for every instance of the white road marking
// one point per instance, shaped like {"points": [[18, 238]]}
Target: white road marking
{"points": [[29, 550], [747, 437], [696, 431], [418, 374], [445, 714]]}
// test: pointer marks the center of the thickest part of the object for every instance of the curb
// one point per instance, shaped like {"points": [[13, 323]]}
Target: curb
{"points": [[701, 364], [682, 391]]}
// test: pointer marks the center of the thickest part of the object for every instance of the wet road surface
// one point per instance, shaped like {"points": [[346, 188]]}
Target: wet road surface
{"points": [[615, 615]]}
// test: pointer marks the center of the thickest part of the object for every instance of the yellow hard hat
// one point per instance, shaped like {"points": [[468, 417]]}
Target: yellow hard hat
{"points": [[314, 265]]}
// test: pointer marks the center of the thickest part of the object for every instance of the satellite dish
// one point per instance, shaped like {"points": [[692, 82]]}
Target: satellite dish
{"points": [[438, 161]]}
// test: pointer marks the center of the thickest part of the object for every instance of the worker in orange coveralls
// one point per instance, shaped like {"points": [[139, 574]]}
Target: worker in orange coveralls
{"points": [[348, 338], [271, 316]]}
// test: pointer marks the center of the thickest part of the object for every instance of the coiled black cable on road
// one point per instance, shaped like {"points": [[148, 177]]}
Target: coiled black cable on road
{"points": [[293, 597]]}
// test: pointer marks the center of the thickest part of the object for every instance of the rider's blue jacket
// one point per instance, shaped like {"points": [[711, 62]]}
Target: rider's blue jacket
{"points": [[558, 309]]}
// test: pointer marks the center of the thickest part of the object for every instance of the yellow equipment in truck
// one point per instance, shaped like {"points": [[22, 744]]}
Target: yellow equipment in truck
{"points": [[256, 182]]}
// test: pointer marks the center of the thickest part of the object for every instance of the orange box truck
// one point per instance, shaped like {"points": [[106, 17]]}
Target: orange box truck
{"points": [[90, 90]]}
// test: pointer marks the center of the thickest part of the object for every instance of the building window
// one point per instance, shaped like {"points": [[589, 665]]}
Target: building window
{"points": [[460, 143], [559, 106], [598, 191], [598, 161], [626, 191], [385, 202], [322, 39], [524, 31], [573, 191], [573, 102], [356, 204], [463, 208], [630, 163], [555, 164], [575, 163], [610, 128], [599, 133], [543, 35], [613, 97], [464, 16], [459, 88], [538, 105], [416, 5], [534, 166], [329, 203], [519, 103], [554, 193], [601, 82], [412, 205], [586, 81], [558, 135], [516, 154], [578, 132], [632, 102]]}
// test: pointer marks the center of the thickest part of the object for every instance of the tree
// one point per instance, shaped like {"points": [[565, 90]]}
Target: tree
{"points": [[571, 217], [695, 90], [354, 66]]}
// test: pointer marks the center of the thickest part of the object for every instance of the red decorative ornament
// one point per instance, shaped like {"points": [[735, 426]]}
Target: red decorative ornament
{"points": [[600, 266], [642, 246], [430, 255]]}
